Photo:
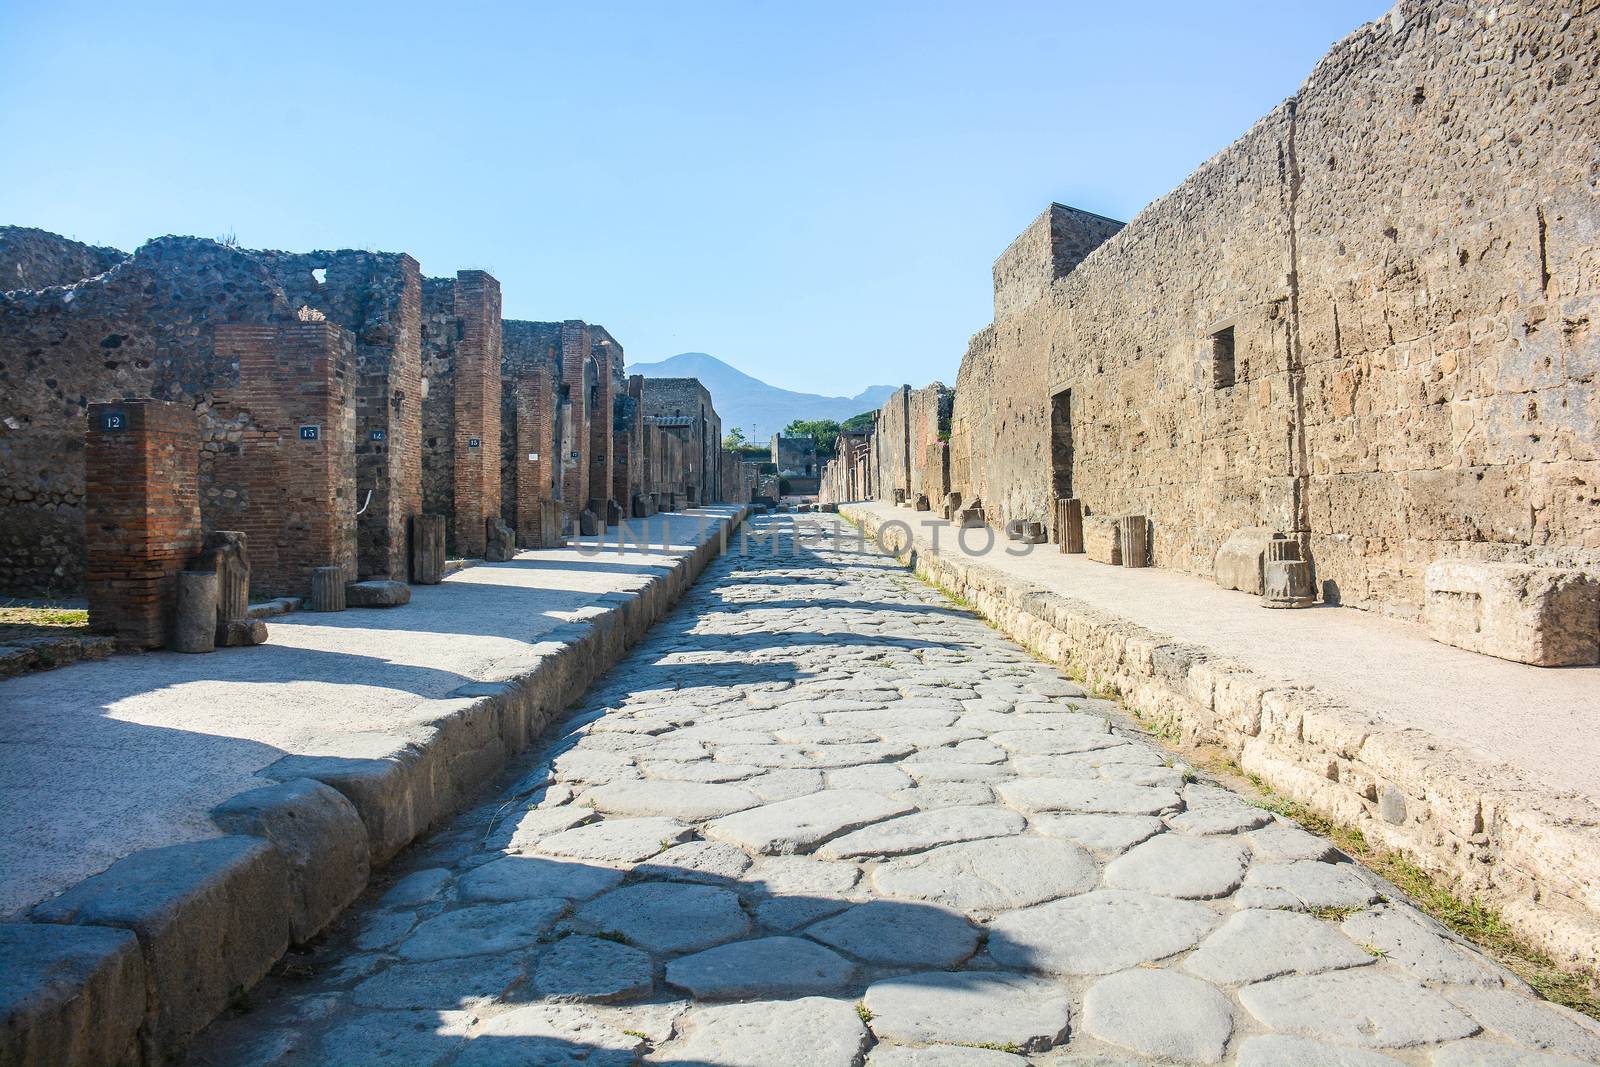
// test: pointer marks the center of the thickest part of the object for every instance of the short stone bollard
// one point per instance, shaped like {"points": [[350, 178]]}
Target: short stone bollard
{"points": [[588, 523], [1133, 534], [427, 549], [1033, 533], [1286, 579], [500, 541], [952, 505], [1069, 524], [195, 627], [921, 503], [327, 589]]}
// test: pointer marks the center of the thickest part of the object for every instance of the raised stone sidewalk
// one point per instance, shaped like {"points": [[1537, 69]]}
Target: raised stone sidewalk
{"points": [[189, 817], [1486, 772], [822, 818]]}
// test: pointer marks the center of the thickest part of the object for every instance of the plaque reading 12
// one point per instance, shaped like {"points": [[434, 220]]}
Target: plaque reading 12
{"points": [[113, 420]]}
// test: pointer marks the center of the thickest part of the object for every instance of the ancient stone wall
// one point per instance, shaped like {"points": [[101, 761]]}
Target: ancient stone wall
{"points": [[38, 259], [683, 406], [292, 476], [627, 478], [1368, 322], [912, 427], [143, 519], [529, 421], [608, 363], [1048, 249], [578, 375]]}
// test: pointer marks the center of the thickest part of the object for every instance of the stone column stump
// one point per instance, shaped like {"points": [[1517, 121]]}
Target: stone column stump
{"points": [[327, 589], [195, 629], [1287, 580], [427, 549], [1133, 531], [1069, 524]]}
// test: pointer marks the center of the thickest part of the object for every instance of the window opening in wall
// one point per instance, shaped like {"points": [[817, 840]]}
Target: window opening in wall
{"points": [[1222, 362]]}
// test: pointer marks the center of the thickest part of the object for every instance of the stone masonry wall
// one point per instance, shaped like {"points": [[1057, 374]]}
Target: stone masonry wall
{"points": [[292, 477], [911, 425], [1403, 257], [529, 420], [141, 463], [673, 399], [608, 364], [577, 371], [38, 259]]}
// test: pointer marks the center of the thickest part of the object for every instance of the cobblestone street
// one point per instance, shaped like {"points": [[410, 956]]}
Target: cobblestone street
{"points": [[822, 816]]}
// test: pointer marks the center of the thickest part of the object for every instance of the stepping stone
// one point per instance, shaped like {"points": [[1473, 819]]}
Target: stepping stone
{"points": [[905, 935], [1053, 742], [1280, 842], [791, 913], [945, 1056], [379, 1038], [799, 875], [785, 785], [1103, 833], [690, 802], [764, 967], [946, 795], [1278, 1050], [801, 824], [984, 878], [1177, 866], [1491, 1054], [667, 917], [470, 982], [970, 1008], [587, 968], [550, 1035], [1253, 946], [1360, 1007], [1169, 1016], [875, 777], [1105, 798], [814, 1031], [1531, 1022], [711, 862], [1098, 933], [1426, 954], [700, 771], [617, 840], [521, 877], [924, 830], [1305, 885], [479, 929], [418, 887]]}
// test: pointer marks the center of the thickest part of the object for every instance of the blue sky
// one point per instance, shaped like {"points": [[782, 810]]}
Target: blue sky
{"points": [[813, 192]]}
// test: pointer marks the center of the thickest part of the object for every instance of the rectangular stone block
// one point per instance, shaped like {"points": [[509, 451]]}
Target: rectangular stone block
{"points": [[1102, 540], [1241, 558], [321, 837], [70, 996], [211, 918], [1544, 616], [427, 549]]}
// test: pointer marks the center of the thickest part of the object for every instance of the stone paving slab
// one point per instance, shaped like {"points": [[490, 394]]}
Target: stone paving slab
{"points": [[1361, 718], [1088, 938]]}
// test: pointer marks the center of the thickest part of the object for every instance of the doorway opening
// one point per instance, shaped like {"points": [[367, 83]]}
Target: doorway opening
{"points": [[1061, 444]]}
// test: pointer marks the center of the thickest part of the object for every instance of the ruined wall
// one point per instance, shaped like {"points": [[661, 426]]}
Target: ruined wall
{"points": [[628, 477], [461, 367], [607, 355], [292, 476], [911, 425], [1051, 246], [530, 392], [683, 406], [578, 374], [1405, 255], [38, 259]]}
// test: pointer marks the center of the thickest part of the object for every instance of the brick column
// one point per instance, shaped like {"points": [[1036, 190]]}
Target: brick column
{"points": [[294, 471], [388, 443], [601, 424], [141, 516], [575, 361], [477, 409], [533, 462]]}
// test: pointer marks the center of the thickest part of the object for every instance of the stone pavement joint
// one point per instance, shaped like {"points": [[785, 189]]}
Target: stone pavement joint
{"points": [[778, 834]]}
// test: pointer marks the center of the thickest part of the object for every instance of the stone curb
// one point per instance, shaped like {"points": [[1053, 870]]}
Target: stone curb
{"points": [[128, 965], [1496, 835]]}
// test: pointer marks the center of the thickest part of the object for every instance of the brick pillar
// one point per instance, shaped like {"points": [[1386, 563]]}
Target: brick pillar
{"points": [[530, 478], [601, 425], [576, 361], [477, 409], [388, 443], [294, 472], [141, 516]]}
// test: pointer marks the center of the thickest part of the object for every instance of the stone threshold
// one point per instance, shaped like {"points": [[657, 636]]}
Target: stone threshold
{"points": [[1491, 830], [126, 966], [48, 653]]}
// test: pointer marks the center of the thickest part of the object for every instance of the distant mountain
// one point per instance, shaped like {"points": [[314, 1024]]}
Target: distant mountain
{"points": [[748, 402]]}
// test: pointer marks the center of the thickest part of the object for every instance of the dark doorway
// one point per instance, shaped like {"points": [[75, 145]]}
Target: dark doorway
{"points": [[1061, 443]]}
